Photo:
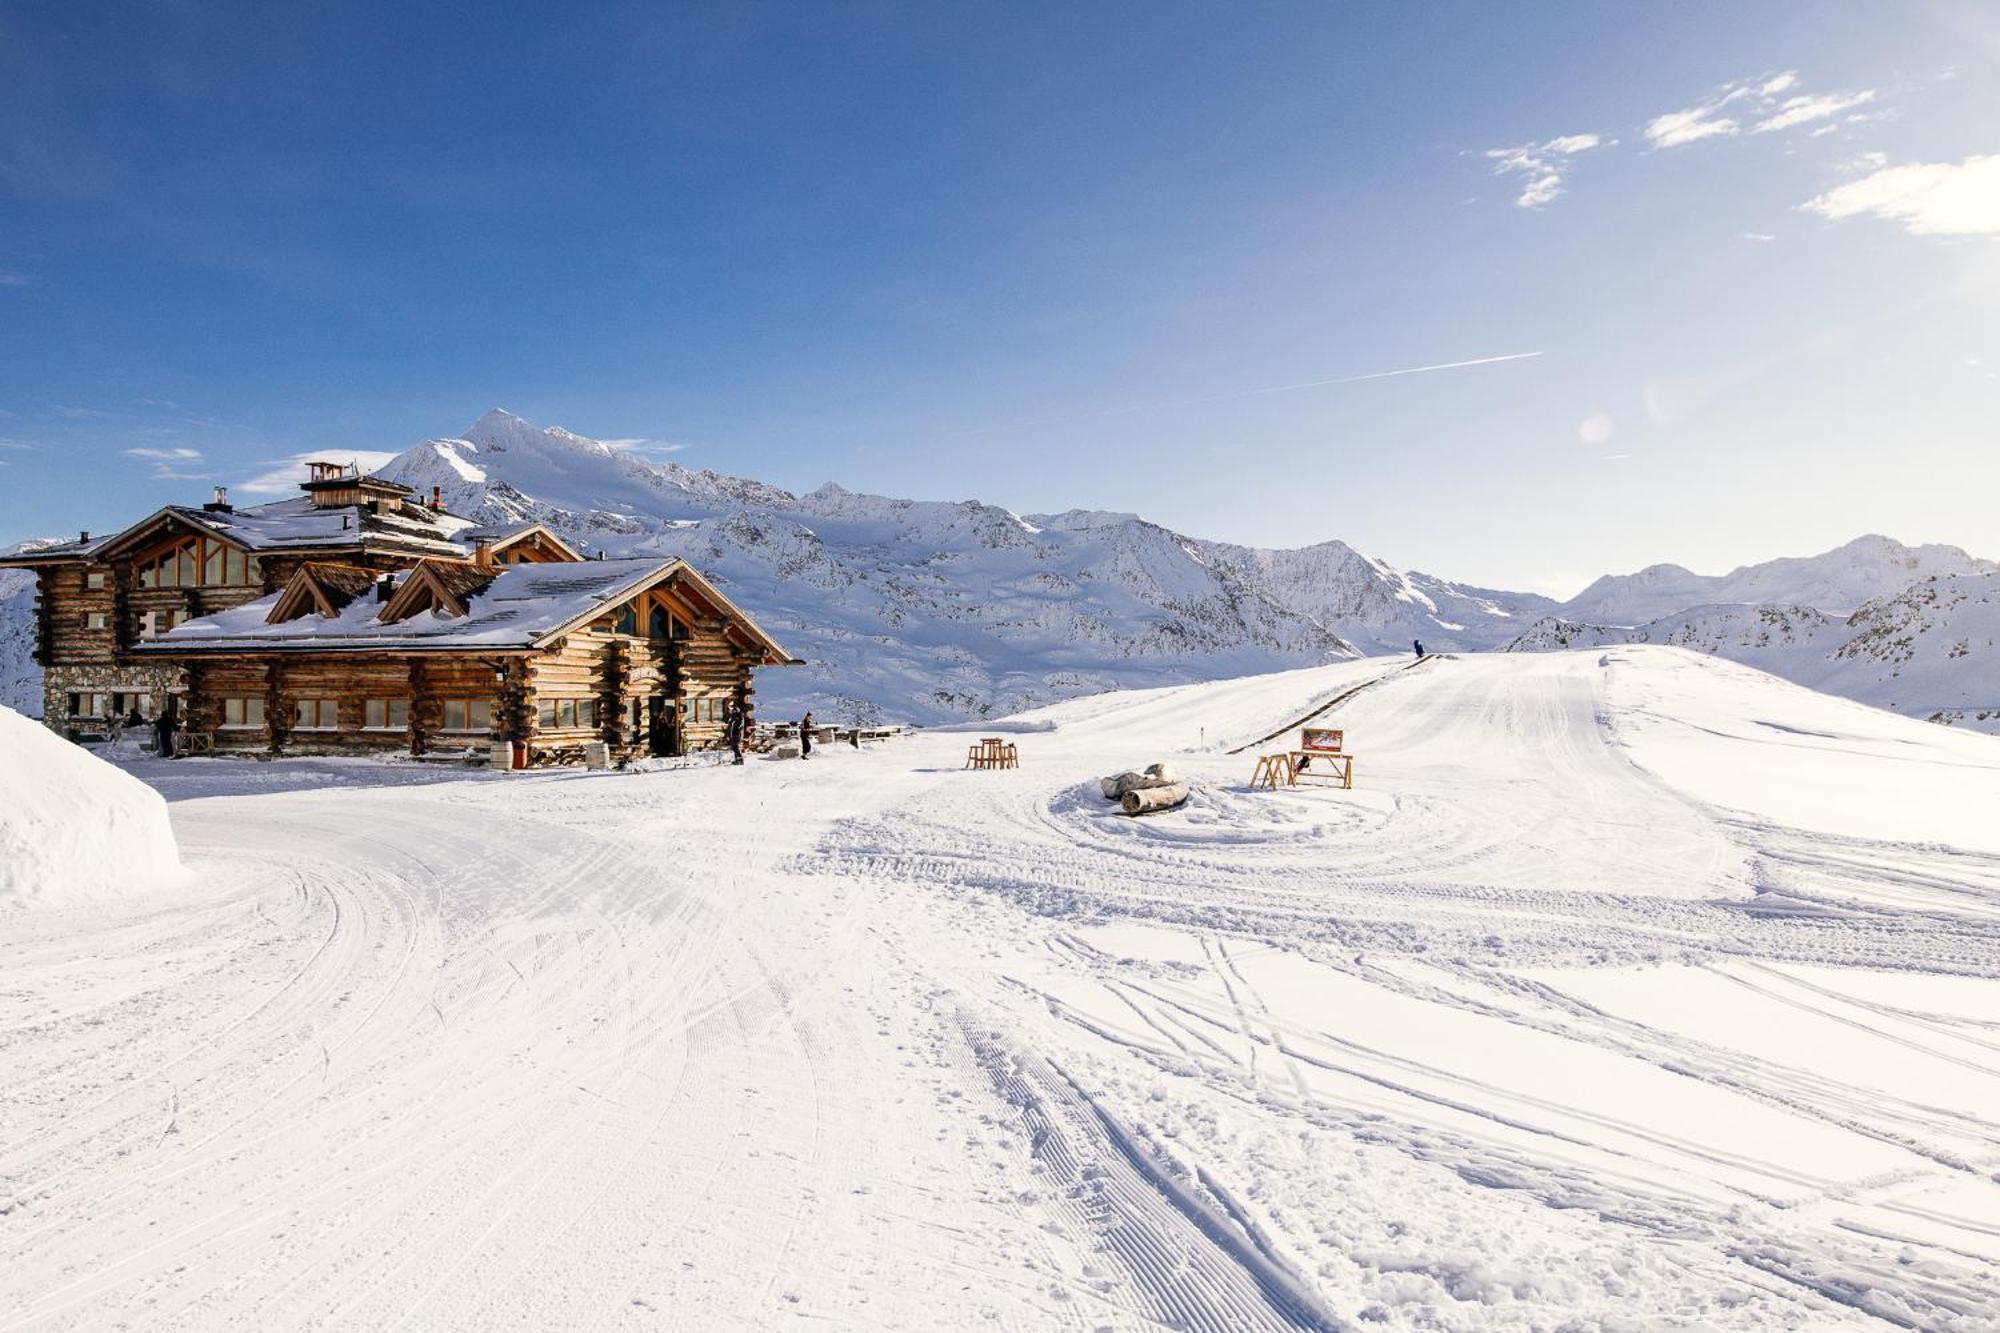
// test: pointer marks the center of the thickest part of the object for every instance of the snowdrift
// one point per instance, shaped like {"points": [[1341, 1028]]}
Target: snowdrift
{"points": [[72, 827]]}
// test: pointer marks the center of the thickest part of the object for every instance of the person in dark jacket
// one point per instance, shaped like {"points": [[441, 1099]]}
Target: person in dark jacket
{"points": [[1419, 645], [163, 730], [806, 736], [733, 728]]}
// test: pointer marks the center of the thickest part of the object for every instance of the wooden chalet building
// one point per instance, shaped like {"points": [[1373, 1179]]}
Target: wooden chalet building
{"points": [[354, 619]]}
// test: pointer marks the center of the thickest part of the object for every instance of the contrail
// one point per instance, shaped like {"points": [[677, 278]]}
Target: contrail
{"points": [[1372, 375]]}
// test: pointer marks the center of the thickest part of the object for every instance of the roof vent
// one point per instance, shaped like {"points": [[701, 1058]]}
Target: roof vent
{"points": [[220, 504], [83, 536], [385, 587]]}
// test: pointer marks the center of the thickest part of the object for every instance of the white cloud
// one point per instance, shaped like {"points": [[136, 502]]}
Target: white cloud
{"points": [[1757, 236], [1928, 198], [11, 278], [1597, 428], [1801, 110], [285, 474], [1758, 101], [171, 463], [1544, 164]]}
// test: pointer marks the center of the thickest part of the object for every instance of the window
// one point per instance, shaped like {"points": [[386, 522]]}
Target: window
{"points": [[385, 714], [628, 622], [94, 579], [198, 561], [315, 715], [663, 624], [245, 710], [90, 705], [566, 714], [468, 715], [98, 620]]}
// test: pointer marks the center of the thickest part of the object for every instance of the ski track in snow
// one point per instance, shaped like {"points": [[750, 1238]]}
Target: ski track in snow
{"points": [[1532, 1029]]}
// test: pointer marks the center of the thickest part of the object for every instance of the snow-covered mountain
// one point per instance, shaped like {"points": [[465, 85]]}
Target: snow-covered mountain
{"points": [[20, 678], [1930, 650], [934, 610], [1838, 580], [937, 610]]}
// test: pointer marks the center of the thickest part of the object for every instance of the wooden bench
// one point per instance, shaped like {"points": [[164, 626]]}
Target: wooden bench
{"points": [[992, 752]]}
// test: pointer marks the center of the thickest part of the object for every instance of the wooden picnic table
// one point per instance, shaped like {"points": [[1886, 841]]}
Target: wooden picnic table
{"points": [[992, 752]]}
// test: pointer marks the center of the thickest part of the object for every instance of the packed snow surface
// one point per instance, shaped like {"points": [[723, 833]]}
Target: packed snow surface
{"points": [[1628, 989], [72, 827]]}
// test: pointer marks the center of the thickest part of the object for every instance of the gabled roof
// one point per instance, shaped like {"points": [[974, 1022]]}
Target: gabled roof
{"points": [[441, 586], [500, 536], [510, 608], [321, 589]]}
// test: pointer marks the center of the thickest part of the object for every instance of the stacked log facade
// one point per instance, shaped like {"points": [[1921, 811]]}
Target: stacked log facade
{"points": [[656, 673]]}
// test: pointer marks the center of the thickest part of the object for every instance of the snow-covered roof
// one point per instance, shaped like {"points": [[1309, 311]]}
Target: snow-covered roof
{"points": [[502, 535], [519, 607], [294, 524]]}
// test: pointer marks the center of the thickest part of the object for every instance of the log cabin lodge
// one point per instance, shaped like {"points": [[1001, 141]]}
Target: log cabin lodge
{"points": [[354, 619]]}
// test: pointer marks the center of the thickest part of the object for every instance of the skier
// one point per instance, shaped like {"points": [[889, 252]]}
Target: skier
{"points": [[734, 729], [806, 735], [1419, 644]]}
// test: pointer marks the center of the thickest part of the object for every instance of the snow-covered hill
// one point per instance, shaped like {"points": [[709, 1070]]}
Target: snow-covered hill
{"points": [[1838, 580], [936, 610], [1929, 650]]}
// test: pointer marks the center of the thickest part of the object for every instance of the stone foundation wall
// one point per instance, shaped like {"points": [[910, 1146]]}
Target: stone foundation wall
{"points": [[59, 682]]}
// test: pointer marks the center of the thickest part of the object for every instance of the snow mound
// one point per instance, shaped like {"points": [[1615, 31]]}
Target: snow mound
{"points": [[73, 827]]}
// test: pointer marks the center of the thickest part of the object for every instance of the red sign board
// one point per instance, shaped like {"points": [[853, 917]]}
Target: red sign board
{"points": [[1324, 740]]}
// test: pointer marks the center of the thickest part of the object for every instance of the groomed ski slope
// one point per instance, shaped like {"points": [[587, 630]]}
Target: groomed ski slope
{"points": [[1629, 989]]}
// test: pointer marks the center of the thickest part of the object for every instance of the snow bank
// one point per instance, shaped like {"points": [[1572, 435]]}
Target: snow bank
{"points": [[72, 826]]}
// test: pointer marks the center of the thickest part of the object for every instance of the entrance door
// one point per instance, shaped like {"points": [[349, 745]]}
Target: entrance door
{"points": [[658, 735]]}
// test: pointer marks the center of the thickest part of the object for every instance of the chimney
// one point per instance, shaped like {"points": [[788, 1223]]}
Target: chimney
{"points": [[482, 553], [437, 497], [385, 587], [83, 536], [220, 504]]}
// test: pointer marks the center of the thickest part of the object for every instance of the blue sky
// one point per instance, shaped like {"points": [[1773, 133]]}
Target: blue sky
{"points": [[1048, 256]]}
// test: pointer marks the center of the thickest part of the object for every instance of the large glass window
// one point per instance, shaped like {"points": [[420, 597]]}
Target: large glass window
{"points": [[200, 561]]}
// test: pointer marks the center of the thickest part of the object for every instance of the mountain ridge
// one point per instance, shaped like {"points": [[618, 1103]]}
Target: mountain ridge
{"points": [[943, 610]]}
